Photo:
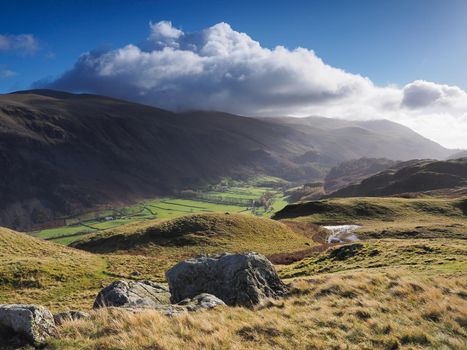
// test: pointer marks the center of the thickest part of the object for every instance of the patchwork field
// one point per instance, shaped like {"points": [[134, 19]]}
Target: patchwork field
{"points": [[235, 199]]}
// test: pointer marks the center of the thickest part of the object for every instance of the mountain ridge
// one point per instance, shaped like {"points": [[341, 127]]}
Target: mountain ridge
{"points": [[63, 153]]}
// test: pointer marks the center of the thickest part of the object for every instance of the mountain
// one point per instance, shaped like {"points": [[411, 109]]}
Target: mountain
{"points": [[63, 153], [354, 171], [336, 140], [411, 176]]}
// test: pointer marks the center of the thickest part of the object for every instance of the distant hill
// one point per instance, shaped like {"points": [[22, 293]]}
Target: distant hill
{"points": [[411, 176], [338, 140], [460, 154], [354, 171], [63, 153]]}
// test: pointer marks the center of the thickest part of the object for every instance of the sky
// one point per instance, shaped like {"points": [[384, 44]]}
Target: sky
{"points": [[402, 60]]}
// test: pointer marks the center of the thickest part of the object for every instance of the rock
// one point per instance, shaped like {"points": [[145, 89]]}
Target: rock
{"points": [[130, 294], [237, 279], [201, 301], [71, 315], [25, 324]]}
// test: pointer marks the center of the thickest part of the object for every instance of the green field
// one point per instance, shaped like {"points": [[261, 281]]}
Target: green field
{"points": [[167, 208]]}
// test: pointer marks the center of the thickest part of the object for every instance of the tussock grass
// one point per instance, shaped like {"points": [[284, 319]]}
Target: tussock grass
{"points": [[422, 255], [380, 310]]}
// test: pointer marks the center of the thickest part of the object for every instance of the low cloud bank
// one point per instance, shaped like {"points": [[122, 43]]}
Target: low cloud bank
{"points": [[222, 69]]}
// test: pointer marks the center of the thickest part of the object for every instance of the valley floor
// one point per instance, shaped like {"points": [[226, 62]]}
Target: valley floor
{"points": [[234, 199]]}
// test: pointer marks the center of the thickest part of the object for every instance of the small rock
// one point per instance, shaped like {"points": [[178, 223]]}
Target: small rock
{"points": [[201, 301], [130, 294], [237, 279], [71, 315], [25, 324]]}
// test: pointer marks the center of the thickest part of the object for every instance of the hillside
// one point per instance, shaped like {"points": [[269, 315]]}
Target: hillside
{"points": [[35, 271], [460, 154], [389, 217], [62, 153], [354, 171], [338, 140], [408, 177], [199, 233]]}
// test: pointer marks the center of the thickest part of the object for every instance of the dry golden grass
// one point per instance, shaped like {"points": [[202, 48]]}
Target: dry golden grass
{"points": [[59, 277], [430, 256], [379, 310], [152, 248], [194, 234], [389, 217], [35, 271]]}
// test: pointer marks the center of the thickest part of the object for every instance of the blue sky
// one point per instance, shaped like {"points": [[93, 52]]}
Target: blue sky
{"points": [[402, 60], [388, 41]]}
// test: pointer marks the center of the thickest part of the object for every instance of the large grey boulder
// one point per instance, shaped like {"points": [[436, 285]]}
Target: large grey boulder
{"points": [[131, 294], [25, 324], [237, 279]]}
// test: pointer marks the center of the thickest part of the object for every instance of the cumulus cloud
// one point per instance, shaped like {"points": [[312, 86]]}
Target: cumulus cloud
{"points": [[223, 69], [22, 43]]}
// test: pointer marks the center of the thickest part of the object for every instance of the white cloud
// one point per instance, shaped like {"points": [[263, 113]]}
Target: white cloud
{"points": [[220, 68], [22, 43], [6, 73], [164, 32]]}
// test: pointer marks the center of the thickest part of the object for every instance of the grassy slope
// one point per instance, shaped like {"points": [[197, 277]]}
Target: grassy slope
{"points": [[34, 271], [386, 294], [432, 256], [387, 217], [171, 241], [388, 309]]}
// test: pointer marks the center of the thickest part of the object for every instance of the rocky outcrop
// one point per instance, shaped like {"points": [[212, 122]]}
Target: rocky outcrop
{"points": [[130, 294], [200, 302], [71, 315], [237, 279], [25, 324]]}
